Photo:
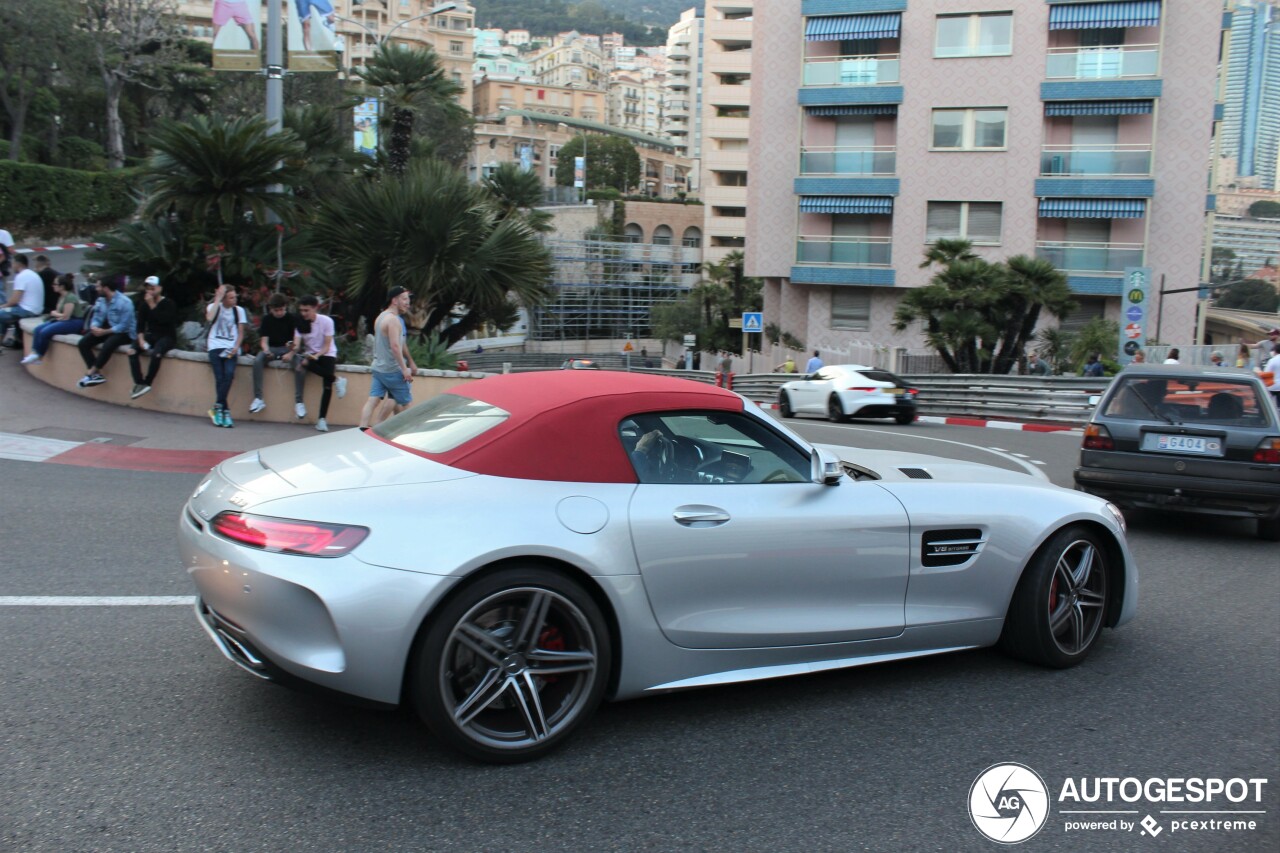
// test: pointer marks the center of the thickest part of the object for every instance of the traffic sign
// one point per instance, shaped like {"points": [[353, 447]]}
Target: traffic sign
{"points": [[628, 347], [752, 321], [1133, 331], [1133, 314]]}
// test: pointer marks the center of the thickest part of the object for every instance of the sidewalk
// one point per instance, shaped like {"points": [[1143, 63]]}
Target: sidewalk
{"points": [[59, 426]]}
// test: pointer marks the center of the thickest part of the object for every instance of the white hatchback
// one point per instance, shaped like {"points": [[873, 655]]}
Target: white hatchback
{"points": [[842, 391]]}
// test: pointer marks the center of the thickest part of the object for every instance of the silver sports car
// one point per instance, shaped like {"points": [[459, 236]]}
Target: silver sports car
{"points": [[505, 556]]}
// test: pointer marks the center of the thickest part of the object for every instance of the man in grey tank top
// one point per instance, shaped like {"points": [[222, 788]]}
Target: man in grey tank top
{"points": [[392, 366]]}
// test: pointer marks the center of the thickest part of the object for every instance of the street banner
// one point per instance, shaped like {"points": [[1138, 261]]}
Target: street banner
{"points": [[237, 35], [366, 126], [579, 172], [526, 158], [1134, 309], [312, 37]]}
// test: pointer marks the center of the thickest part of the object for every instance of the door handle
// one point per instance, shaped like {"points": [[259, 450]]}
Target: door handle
{"points": [[700, 516]]}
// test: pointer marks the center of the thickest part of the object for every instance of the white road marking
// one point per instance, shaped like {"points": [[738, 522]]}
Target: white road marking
{"points": [[97, 600], [1021, 455], [30, 448]]}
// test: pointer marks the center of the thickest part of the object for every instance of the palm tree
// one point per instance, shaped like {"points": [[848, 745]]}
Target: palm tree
{"points": [[1034, 285], [948, 250], [217, 172], [518, 193], [327, 155], [407, 77], [441, 237]]}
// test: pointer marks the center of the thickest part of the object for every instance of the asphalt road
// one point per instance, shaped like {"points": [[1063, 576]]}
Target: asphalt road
{"points": [[124, 730]]}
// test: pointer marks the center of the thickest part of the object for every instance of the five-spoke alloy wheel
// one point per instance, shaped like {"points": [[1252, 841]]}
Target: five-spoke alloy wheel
{"points": [[1060, 605], [509, 667]]}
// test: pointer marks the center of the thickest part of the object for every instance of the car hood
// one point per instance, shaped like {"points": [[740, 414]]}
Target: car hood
{"points": [[898, 467], [342, 460]]}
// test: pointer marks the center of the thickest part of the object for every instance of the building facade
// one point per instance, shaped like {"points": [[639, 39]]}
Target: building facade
{"points": [[1061, 130], [1251, 120], [573, 60], [726, 124], [682, 113]]}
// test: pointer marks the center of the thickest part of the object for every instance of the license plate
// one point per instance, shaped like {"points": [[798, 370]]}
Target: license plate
{"points": [[1196, 444], [897, 392]]}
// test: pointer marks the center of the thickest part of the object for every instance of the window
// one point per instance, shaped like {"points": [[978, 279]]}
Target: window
{"points": [[969, 130], [729, 211], [978, 221], [710, 448], [974, 35], [455, 47], [733, 112], [851, 309], [731, 179]]}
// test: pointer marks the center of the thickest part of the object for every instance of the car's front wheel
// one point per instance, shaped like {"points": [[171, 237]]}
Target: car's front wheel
{"points": [[512, 665], [784, 406], [1269, 528], [1060, 603]]}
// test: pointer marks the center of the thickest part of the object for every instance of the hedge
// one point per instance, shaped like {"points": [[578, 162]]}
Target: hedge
{"points": [[37, 198]]}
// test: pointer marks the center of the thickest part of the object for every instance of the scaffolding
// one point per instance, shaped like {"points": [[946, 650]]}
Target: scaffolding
{"points": [[605, 288]]}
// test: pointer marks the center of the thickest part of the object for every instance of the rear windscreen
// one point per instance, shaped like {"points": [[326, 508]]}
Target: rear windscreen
{"points": [[1186, 400], [441, 424]]}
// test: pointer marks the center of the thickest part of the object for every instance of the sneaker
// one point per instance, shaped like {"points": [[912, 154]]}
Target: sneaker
{"points": [[215, 415], [84, 380], [322, 425], [340, 385], [300, 410], [139, 390], [93, 379], [226, 419], [256, 406], [30, 358]]}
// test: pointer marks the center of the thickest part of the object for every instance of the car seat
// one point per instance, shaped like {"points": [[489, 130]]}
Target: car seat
{"points": [[1225, 406]]}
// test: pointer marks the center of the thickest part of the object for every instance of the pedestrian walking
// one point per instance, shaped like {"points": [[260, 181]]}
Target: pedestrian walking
{"points": [[227, 322], [157, 334], [1173, 356], [112, 325], [814, 364], [27, 299], [1265, 347], [1093, 366], [1036, 366], [393, 367], [314, 351], [66, 318], [275, 331]]}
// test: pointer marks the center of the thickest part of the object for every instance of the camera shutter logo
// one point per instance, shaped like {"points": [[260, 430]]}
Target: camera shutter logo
{"points": [[1008, 803]]}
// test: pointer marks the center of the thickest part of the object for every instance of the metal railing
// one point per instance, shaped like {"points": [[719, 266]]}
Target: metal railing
{"points": [[1095, 160], [1110, 258], [876, 160], [852, 70], [1103, 63], [844, 251]]}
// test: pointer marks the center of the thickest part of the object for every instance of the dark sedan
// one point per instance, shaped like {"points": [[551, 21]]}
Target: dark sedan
{"points": [[1186, 439]]}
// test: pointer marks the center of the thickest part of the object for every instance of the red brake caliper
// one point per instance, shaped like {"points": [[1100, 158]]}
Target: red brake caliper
{"points": [[1053, 594], [553, 641]]}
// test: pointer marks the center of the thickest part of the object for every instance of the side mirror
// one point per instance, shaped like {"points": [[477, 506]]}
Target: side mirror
{"points": [[1095, 399], [826, 470]]}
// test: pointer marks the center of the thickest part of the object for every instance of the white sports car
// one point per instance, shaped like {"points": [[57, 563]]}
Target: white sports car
{"points": [[506, 555], [842, 391]]}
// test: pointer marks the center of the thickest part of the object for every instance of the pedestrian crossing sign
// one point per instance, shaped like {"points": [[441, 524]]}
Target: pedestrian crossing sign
{"points": [[753, 321]]}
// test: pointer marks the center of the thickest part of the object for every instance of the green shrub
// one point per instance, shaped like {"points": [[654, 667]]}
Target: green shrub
{"points": [[76, 152], [604, 194], [65, 201]]}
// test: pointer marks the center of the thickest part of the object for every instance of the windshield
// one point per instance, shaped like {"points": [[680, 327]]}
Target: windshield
{"points": [[1186, 400], [441, 424]]}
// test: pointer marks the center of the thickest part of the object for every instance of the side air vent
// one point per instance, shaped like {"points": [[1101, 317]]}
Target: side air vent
{"points": [[949, 547], [917, 473]]}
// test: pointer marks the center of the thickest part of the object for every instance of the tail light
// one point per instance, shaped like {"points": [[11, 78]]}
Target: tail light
{"points": [[286, 536], [913, 391], [866, 390], [1267, 451], [1096, 437]]}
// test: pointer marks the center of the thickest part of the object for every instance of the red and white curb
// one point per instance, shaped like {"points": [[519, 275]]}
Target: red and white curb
{"points": [[90, 454], [39, 250]]}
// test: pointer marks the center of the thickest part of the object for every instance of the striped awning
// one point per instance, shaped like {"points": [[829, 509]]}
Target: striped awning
{"points": [[1097, 108], [846, 204], [1120, 13], [1093, 208], [853, 110], [837, 27]]}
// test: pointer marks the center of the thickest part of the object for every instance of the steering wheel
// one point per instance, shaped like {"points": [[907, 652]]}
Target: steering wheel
{"points": [[664, 459]]}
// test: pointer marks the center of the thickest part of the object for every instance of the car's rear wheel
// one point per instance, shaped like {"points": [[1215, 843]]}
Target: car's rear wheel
{"points": [[784, 406], [512, 665], [1060, 603], [904, 418], [835, 412], [1269, 528]]}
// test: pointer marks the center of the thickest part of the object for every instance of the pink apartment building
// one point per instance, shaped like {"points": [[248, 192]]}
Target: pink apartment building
{"points": [[1074, 131]]}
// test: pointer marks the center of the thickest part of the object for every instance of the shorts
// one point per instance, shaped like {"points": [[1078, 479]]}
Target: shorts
{"points": [[393, 384], [237, 10], [324, 7]]}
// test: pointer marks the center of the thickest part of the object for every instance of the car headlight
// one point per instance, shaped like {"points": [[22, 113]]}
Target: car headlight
{"points": [[1118, 516]]}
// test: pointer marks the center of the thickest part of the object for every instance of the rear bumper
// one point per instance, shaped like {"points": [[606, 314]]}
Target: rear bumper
{"points": [[1184, 494]]}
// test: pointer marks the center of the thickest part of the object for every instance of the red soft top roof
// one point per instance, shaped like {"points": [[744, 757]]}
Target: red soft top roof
{"points": [[564, 423]]}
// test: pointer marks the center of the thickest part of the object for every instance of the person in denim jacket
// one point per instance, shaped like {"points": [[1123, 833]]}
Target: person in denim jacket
{"points": [[111, 326]]}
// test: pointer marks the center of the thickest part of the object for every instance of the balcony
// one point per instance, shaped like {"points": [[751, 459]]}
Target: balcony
{"points": [[679, 51], [1100, 160], [1103, 63], [825, 250], [852, 70], [879, 160], [677, 108], [1091, 258], [677, 84]]}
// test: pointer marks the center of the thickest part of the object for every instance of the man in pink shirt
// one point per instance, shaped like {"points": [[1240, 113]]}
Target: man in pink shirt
{"points": [[316, 352]]}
